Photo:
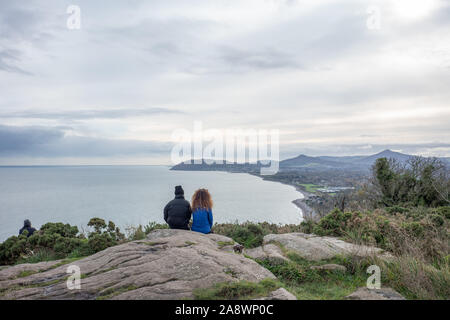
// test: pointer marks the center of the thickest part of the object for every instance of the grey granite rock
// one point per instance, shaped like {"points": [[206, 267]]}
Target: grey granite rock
{"points": [[364, 293], [314, 248], [169, 264]]}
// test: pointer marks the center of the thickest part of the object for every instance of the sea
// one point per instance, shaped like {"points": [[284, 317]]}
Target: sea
{"points": [[133, 195]]}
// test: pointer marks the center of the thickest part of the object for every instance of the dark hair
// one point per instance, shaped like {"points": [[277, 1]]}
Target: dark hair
{"points": [[27, 223]]}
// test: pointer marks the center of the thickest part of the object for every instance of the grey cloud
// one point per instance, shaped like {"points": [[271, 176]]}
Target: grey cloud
{"points": [[267, 58], [90, 114], [326, 33], [293, 150], [158, 37], [440, 16], [52, 142], [165, 48], [178, 43], [95, 147], [368, 135], [16, 21], [8, 58], [21, 25], [134, 51], [17, 139]]}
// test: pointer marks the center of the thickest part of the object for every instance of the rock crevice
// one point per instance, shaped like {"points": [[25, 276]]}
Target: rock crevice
{"points": [[171, 264], [183, 261]]}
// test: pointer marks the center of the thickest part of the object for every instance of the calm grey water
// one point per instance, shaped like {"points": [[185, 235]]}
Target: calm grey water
{"points": [[132, 195]]}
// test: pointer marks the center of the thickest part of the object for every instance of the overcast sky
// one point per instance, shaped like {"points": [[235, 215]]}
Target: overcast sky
{"points": [[114, 90]]}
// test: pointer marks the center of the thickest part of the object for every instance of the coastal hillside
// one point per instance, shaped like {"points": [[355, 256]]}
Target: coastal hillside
{"points": [[178, 264], [347, 162], [303, 162], [327, 259], [398, 224]]}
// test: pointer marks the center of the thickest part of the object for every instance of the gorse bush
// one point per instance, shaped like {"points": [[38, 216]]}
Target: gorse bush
{"points": [[135, 233], [418, 232], [58, 240], [334, 223], [417, 237], [104, 235], [140, 232], [416, 279], [54, 240], [419, 182], [300, 278], [154, 226], [250, 234]]}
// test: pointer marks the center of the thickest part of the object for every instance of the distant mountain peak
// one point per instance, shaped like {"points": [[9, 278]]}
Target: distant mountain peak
{"points": [[385, 154], [388, 151]]}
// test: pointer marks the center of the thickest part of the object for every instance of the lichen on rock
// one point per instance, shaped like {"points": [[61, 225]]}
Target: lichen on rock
{"points": [[168, 264]]}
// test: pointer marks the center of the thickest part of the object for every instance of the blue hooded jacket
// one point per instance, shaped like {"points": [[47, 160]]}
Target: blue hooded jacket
{"points": [[202, 220]]}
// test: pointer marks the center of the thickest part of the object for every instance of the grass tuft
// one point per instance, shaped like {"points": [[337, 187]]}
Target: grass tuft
{"points": [[240, 290]]}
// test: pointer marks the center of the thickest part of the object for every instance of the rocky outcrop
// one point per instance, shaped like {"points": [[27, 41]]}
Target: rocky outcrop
{"points": [[169, 264], [314, 248], [269, 250], [279, 294], [26, 268], [375, 294]]}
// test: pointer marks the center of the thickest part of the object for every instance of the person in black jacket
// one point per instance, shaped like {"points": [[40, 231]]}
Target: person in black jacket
{"points": [[177, 212], [27, 226]]}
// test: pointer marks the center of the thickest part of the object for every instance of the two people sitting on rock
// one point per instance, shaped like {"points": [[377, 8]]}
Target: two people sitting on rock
{"points": [[178, 212], [27, 227]]}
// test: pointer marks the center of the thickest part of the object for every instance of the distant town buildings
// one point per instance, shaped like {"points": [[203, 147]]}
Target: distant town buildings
{"points": [[334, 189]]}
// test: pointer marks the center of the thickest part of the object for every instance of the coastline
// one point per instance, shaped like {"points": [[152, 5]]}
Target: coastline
{"points": [[307, 212]]}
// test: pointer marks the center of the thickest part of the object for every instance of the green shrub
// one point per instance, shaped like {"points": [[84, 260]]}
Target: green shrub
{"points": [[415, 228], [237, 290], [98, 224], [248, 234], [57, 241], [251, 234], [419, 229], [307, 226], [396, 209], [39, 255], [333, 223], [419, 182], [437, 219], [416, 279], [100, 241], [154, 226], [312, 283], [64, 230], [443, 211], [12, 249], [292, 273]]}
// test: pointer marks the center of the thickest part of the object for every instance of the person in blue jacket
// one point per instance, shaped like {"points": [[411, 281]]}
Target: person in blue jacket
{"points": [[202, 218]]}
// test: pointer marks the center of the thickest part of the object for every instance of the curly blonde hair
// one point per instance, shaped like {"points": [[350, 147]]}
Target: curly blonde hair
{"points": [[201, 200]]}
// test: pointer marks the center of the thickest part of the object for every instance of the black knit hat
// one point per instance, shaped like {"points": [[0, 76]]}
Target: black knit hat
{"points": [[179, 190]]}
